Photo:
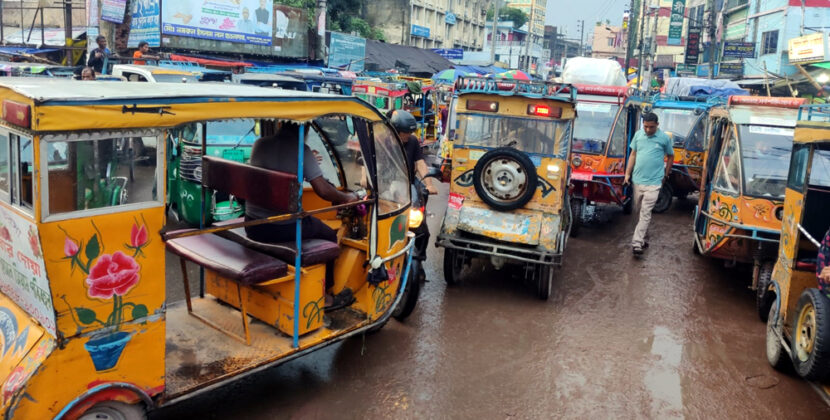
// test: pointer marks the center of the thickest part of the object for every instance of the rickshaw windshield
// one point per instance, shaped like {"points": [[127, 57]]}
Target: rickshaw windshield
{"points": [[593, 126], [393, 176], [231, 133], [820, 171], [544, 137], [676, 122], [766, 159]]}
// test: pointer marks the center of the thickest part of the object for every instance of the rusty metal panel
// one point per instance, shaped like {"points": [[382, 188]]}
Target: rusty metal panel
{"points": [[516, 226]]}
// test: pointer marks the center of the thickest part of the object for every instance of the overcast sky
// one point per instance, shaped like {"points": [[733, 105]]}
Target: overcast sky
{"points": [[563, 14]]}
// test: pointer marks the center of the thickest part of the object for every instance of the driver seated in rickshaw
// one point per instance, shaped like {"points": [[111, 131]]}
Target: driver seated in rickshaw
{"points": [[279, 152]]}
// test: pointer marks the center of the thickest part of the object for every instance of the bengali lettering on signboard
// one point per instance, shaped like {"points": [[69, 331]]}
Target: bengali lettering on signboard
{"points": [[808, 48], [450, 53], [678, 12], [692, 46], [145, 23], [239, 21], [347, 52], [421, 31], [738, 49], [113, 10], [731, 68], [22, 269]]}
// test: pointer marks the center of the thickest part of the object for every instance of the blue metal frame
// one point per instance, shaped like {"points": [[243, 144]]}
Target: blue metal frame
{"points": [[299, 239], [817, 113], [529, 89]]}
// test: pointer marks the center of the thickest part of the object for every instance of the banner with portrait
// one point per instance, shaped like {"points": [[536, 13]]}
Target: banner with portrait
{"points": [[240, 21]]}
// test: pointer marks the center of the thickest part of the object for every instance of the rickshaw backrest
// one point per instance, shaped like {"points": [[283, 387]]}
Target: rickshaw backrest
{"points": [[267, 188]]}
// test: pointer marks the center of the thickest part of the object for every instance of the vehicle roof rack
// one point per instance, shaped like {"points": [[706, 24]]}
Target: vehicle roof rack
{"points": [[816, 113], [510, 87]]}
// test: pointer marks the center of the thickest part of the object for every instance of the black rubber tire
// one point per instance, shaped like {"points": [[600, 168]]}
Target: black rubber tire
{"points": [[115, 410], [452, 274], [544, 281], [628, 207], [664, 199], [776, 355], [764, 297], [525, 164], [695, 248], [577, 204], [815, 364], [410, 294]]}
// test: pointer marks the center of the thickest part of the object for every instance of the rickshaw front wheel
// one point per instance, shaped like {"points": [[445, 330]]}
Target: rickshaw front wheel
{"points": [[452, 267], [115, 410], [811, 336], [776, 356], [764, 297], [664, 199], [577, 205], [544, 281]]}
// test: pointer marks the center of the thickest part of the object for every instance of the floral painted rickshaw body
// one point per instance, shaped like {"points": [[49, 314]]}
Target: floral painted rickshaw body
{"points": [[798, 326], [83, 279], [738, 216]]}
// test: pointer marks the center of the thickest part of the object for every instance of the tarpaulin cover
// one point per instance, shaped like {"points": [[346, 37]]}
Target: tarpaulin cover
{"points": [[484, 70], [593, 71], [209, 62], [690, 86], [383, 56], [26, 50]]}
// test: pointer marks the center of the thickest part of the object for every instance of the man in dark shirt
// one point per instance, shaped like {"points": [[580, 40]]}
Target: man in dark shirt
{"points": [[98, 55], [406, 125]]}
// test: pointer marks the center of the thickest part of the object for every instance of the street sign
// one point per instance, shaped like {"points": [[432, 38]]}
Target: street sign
{"points": [[808, 48], [738, 49], [450, 53], [450, 18], [421, 31], [347, 52], [692, 46]]}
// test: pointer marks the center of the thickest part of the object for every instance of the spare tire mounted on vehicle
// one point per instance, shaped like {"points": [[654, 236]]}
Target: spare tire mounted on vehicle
{"points": [[505, 178]]}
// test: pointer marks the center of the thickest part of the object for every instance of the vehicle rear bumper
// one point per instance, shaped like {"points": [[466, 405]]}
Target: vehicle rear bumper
{"points": [[495, 249]]}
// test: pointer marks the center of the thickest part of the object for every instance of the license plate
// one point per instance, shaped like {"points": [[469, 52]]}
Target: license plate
{"points": [[582, 176]]}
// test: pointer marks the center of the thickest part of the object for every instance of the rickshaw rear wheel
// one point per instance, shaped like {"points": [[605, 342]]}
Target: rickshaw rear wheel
{"points": [[776, 355], [452, 267], [544, 281], [411, 292], [764, 297], [811, 336], [115, 410], [664, 199], [576, 216]]}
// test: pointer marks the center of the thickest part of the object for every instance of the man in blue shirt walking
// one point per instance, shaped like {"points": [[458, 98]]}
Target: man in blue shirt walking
{"points": [[650, 169]]}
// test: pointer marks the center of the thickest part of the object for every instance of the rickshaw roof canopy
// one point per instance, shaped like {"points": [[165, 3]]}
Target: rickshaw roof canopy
{"points": [[68, 105]]}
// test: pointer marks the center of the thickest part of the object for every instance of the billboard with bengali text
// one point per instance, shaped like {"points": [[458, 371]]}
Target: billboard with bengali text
{"points": [[236, 21], [145, 23]]}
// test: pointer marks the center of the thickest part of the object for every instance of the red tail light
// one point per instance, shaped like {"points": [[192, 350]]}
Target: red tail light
{"points": [[544, 111]]}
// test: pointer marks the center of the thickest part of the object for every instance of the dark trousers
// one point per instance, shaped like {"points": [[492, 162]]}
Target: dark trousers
{"points": [[312, 228]]}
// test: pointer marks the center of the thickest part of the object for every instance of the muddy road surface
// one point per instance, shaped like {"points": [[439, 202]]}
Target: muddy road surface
{"points": [[671, 335]]}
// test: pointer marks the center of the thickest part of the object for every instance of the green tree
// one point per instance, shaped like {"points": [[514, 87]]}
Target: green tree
{"points": [[518, 17]]}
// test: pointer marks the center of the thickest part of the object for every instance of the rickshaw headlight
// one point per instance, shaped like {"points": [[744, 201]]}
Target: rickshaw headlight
{"points": [[197, 173], [416, 217], [577, 161]]}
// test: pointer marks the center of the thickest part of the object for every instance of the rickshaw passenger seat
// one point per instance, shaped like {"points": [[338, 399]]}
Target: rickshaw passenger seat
{"points": [[228, 258], [267, 188], [314, 251]]}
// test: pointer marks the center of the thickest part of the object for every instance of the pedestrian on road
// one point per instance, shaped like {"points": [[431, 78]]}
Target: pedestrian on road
{"points": [[647, 170], [98, 55], [143, 51]]}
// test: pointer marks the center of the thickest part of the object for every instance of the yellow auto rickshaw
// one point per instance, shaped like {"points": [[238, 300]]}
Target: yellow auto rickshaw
{"points": [[508, 198], [738, 216], [87, 331], [798, 324]]}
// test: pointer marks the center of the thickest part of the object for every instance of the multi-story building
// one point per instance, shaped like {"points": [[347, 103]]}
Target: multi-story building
{"points": [[658, 49], [514, 47], [430, 23], [608, 42], [560, 48], [535, 10]]}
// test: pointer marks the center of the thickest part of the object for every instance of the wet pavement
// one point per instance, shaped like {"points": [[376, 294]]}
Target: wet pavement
{"points": [[671, 335]]}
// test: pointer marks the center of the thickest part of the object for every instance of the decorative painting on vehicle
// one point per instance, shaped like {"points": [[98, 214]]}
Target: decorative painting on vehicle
{"points": [[22, 268], [762, 213], [107, 277], [725, 208]]}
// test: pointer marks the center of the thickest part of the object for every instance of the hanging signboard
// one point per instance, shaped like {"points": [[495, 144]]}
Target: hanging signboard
{"points": [[347, 52], [692, 46], [808, 48], [678, 12], [145, 23], [113, 10], [243, 21], [421, 31], [738, 49]]}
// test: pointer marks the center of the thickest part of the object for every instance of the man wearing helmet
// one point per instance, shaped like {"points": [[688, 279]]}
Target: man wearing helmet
{"points": [[406, 125]]}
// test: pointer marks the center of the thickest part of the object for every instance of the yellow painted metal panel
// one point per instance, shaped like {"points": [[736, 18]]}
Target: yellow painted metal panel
{"points": [[814, 133]]}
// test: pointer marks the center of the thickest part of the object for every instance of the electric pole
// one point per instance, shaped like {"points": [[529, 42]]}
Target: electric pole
{"points": [[495, 31], [640, 42], [629, 39], [529, 37], [321, 31], [655, 15], [581, 36], [710, 23]]}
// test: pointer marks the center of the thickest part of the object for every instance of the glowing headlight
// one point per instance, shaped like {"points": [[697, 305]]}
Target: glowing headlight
{"points": [[416, 217], [553, 168]]}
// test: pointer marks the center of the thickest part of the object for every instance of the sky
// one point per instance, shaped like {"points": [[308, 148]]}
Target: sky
{"points": [[563, 14]]}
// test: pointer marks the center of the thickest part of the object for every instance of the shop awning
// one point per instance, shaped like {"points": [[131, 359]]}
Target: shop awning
{"points": [[381, 56]]}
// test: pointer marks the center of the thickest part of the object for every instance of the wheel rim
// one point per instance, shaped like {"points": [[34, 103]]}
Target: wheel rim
{"points": [[805, 338], [504, 180], [103, 413]]}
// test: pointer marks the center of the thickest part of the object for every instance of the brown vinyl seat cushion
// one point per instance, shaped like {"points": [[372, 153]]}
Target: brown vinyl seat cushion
{"points": [[228, 258], [315, 251]]}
